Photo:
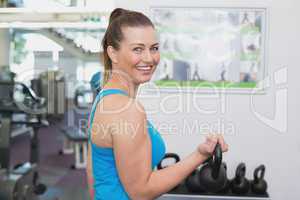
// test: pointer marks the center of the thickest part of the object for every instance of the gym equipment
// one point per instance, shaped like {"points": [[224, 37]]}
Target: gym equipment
{"points": [[20, 183], [183, 192], [226, 188], [75, 141], [52, 86], [240, 184], [210, 188], [192, 182], [259, 185], [212, 175], [84, 96], [167, 156]]}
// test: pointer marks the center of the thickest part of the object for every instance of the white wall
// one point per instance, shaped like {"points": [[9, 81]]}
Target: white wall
{"points": [[252, 140]]}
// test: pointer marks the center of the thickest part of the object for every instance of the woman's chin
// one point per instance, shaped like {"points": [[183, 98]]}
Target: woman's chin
{"points": [[144, 79]]}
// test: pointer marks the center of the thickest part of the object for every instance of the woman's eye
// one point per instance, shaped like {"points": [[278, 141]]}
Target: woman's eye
{"points": [[138, 49], [155, 48]]}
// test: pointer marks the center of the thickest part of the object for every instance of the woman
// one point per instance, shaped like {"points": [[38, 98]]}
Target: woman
{"points": [[124, 147]]}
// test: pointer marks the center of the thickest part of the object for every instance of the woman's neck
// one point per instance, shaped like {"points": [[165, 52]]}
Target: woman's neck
{"points": [[120, 82]]}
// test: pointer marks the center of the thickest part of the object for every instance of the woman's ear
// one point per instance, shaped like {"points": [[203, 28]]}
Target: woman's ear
{"points": [[112, 53]]}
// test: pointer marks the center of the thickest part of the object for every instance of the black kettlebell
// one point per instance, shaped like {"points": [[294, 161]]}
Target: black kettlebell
{"points": [[259, 185], [226, 188], [192, 182], [240, 184], [168, 155], [212, 175]]}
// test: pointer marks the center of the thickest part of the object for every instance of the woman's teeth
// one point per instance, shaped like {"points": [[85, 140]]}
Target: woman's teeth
{"points": [[146, 68]]}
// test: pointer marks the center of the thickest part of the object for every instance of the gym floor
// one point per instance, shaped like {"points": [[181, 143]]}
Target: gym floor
{"points": [[63, 183]]}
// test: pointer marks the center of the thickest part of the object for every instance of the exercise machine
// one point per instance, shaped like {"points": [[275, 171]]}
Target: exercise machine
{"points": [[22, 181]]}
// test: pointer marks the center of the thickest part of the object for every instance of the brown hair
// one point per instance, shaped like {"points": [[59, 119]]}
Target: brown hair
{"points": [[119, 18]]}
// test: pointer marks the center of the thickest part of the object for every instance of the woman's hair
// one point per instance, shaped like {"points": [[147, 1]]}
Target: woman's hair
{"points": [[119, 18]]}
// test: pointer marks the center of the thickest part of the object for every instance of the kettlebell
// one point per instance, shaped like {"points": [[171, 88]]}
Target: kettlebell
{"points": [[212, 175], [226, 188], [168, 155], [192, 182], [259, 185], [240, 184]]}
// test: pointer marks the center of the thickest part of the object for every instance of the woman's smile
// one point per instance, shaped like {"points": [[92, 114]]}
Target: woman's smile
{"points": [[145, 69]]}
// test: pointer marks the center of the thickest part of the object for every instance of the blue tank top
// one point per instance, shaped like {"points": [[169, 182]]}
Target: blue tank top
{"points": [[107, 185]]}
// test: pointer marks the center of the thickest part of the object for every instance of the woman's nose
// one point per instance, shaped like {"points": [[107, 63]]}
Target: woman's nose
{"points": [[147, 57]]}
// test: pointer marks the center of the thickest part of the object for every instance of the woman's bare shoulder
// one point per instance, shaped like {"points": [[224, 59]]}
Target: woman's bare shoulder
{"points": [[120, 106]]}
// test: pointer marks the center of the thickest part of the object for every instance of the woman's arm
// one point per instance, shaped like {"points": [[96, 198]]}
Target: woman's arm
{"points": [[132, 150], [162, 181]]}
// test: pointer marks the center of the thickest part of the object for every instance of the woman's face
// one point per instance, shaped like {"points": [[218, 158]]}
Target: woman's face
{"points": [[138, 54]]}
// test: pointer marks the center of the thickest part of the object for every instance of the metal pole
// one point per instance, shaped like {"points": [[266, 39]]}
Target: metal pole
{"points": [[4, 47]]}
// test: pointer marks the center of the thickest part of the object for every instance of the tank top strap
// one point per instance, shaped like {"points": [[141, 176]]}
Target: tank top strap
{"points": [[98, 98]]}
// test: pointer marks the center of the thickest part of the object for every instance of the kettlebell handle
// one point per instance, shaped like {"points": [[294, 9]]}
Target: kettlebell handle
{"points": [[168, 155], [261, 169], [240, 172], [216, 161]]}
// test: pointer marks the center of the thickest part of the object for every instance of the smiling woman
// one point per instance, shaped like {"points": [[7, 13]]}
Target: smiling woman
{"points": [[140, 54], [124, 146], [140, 44]]}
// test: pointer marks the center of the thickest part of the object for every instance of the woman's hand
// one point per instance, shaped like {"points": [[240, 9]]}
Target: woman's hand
{"points": [[207, 148]]}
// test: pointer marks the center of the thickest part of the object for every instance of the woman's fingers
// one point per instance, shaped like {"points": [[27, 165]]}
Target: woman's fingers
{"points": [[213, 139]]}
